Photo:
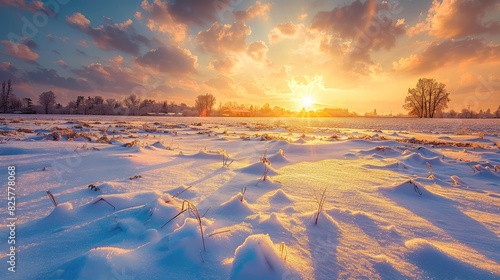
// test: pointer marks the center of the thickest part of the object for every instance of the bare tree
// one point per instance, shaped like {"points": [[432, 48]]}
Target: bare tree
{"points": [[427, 98], [132, 102], [47, 99], [6, 95], [205, 104]]}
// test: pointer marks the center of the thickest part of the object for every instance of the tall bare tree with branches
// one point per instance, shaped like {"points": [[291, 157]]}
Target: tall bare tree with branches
{"points": [[427, 98], [47, 99], [204, 104]]}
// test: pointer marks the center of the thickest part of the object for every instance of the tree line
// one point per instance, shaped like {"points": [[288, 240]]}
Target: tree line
{"points": [[428, 99]]}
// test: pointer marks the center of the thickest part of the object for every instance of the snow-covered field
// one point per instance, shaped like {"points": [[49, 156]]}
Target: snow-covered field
{"points": [[183, 200]]}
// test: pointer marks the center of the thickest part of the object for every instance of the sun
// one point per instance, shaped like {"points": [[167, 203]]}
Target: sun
{"points": [[307, 101]]}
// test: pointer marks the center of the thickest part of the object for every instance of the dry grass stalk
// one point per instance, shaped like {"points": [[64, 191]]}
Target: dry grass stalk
{"points": [[243, 191], [267, 163], [52, 198], [431, 173], [283, 251], [102, 199], [282, 153], [219, 232], [225, 158], [193, 211], [321, 202], [415, 187], [180, 192]]}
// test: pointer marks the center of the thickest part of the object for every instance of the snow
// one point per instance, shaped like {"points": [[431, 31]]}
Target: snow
{"points": [[400, 203]]}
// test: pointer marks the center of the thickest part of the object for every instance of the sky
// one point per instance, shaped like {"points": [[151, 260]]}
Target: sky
{"points": [[359, 55]]}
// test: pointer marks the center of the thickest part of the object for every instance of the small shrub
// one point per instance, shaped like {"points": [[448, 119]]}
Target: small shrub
{"points": [[132, 144]]}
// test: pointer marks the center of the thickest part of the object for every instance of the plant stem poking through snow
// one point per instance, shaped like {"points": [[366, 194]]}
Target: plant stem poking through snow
{"points": [[431, 173], [219, 232], [225, 158], [52, 198], [192, 210], [102, 199], [283, 251], [243, 191], [415, 187], [206, 211], [320, 201], [267, 163], [180, 192]]}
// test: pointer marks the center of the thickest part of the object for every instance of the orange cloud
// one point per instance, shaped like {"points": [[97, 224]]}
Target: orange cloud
{"points": [[285, 30], [449, 52], [258, 51], [220, 38], [362, 27], [258, 10], [159, 19], [224, 64], [19, 51], [454, 18]]}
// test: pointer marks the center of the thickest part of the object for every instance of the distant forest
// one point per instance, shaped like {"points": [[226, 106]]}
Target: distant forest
{"points": [[205, 105]]}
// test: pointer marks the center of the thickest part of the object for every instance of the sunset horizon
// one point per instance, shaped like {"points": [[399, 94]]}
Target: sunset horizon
{"points": [[357, 55]]}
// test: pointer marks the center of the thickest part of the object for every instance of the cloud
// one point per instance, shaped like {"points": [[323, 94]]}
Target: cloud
{"points": [[79, 20], [220, 38], [116, 77], [254, 89], [284, 30], [258, 51], [198, 12], [30, 6], [62, 63], [258, 10], [169, 59], [453, 19], [174, 17], [30, 43], [369, 25], [19, 51], [80, 52], [83, 43], [7, 71], [111, 36], [50, 38], [158, 18], [449, 52], [224, 85], [224, 64], [51, 77], [354, 30], [7, 66]]}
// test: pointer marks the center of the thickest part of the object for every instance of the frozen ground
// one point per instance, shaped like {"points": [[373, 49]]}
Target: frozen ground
{"points": [[398, 204]]}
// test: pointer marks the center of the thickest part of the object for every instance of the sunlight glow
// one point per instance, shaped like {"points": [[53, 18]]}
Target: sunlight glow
{"points": [[307, 101]]}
